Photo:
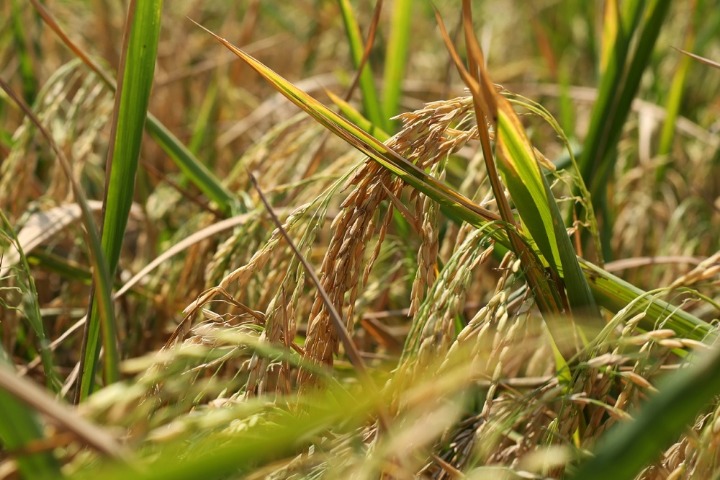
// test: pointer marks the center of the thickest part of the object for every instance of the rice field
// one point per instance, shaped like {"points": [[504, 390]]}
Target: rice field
{"points": [[339, 239]]}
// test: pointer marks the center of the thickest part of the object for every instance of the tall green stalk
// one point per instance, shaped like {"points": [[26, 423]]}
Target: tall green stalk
{"points": [[630, 38], [135, 79]]}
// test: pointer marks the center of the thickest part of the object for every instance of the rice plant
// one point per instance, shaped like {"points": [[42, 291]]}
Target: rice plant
{"points": [[359, 240]]}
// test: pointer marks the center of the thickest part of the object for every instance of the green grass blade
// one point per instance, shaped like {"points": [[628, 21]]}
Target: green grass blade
{"points": [[621, 77], [130, 111], [567, 161], [629, 447], [619, 25], [31, 307], [567, 107], [675, 97], [25, 57], [614, 294], [19, 426], [191, 167], [640, 58], [370, 98], [136, 77], [357, 118], [396, 56], [672, 106], [205, 120], [538, 209]]}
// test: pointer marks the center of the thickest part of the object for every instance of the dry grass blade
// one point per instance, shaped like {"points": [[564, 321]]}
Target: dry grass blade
{"points": [[639, 262], [36, 397], [476, 64], [414, 222], [87, 60], [184, 244], [700, 59], [44, 225], [40, 227], [486, 111]]}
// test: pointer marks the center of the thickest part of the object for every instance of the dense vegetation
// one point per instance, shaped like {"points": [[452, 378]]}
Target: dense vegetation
{"points": [[483, 242]]}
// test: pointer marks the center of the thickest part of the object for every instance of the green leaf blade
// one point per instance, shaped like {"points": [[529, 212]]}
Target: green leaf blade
{"points": [[19, 426], [370, 97], [396, 56], [539, 211], [131, 110]]}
